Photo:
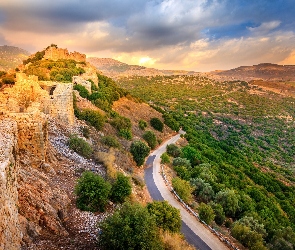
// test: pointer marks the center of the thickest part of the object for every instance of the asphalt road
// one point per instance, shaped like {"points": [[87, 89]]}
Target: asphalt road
{"points": [[194, 231]]}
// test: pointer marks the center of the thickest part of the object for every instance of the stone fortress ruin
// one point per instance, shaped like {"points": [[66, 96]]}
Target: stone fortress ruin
{"points": [[25, 109]]}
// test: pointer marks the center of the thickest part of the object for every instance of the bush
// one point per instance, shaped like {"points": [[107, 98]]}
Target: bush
{"points": [[82, 91], [142, 124], [206, 213], [167, 217], [139, 151], [171, 122], [219, 213], [80, 146], [181, 162], [183, 189], [8, 80], [125, 133], [173, 150], [121, 188], [110, 141], [165, 158], [94, 118], [92, 192], [157, 124], [85, 132], [121, 122], [229, 200], [150, 138], [131, 227]]}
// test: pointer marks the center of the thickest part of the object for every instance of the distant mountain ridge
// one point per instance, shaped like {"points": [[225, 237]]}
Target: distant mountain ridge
{"points": [[11, 57], [263, 71], [115, 69]]}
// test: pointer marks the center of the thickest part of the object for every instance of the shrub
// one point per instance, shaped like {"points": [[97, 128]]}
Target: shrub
{"points": [[131, 227], [85, 132], [173, 150], [157, 124], [139, 151], [219, 213], [82, 91], [80, 146], [150, 138], [165, 158], [110, 141], [167, 217], [142, 124], [93, 117], [182, 172], [175, 241], [8, 80], [206, 213], [229, 200], [183, 189], [125, 133], [121, 122], [92, 192], [181, 162], [121, 188], [171, 122]]}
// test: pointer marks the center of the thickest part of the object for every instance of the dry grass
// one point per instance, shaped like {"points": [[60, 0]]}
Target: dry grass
{"points": [[174, 241], [108, 159]]}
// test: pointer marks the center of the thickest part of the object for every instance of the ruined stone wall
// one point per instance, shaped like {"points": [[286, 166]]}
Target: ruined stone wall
{"points": [[61, 103], [10, 236], [32, 135], [54, 54]]}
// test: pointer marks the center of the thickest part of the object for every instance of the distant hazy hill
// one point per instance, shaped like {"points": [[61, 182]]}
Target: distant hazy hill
{"points": [[264, 71], [113, 68], [11, 57]]}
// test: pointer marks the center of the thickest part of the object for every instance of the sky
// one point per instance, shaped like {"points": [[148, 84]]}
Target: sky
{"points": [[199, 35]]}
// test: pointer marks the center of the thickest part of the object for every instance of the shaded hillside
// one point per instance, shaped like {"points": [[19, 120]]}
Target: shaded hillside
{"points": [[115, 69], [265, 71], [11, 57]]}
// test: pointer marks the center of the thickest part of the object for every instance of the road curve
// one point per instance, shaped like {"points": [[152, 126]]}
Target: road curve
{"points": [[194, 231]]}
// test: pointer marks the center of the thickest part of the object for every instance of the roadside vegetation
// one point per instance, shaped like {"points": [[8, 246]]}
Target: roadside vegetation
{"points": [[239, 161]]}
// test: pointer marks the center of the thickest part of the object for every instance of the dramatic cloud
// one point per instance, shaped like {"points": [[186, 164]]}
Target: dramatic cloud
{"points": [[188, 34]]}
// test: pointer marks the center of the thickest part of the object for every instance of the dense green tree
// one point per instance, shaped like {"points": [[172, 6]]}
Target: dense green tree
{"points": [[191, 154], [167, 216], [206, 213], [150, 138], [82, 90], [183, 189], [219, 213], [92, 192], [173, 150], [229, 200], [131, 227], [165, 158], [121, 188], [139, 151], [93, 117], [157, 124], [181, 162]]}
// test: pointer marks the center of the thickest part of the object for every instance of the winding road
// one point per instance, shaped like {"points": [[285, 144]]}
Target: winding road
{"points": [[194, 231]]}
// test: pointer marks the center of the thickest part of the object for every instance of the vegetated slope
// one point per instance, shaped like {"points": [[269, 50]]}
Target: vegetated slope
{"points": [[11, 57], [265, 71], [245, 134], [116, 69]]}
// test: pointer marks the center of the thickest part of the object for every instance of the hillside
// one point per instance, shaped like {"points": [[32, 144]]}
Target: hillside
{"points": [[116, 69], [263, 71], [61, 120], [11, 57], [240, 151]]}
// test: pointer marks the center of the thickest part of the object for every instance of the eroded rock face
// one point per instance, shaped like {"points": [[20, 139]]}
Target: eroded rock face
{"points": [[10, 233]]}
